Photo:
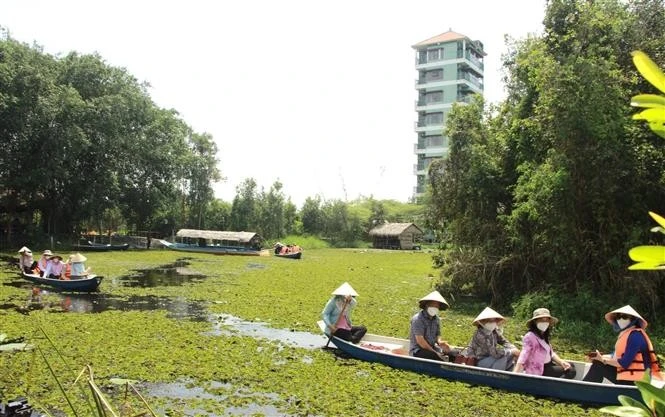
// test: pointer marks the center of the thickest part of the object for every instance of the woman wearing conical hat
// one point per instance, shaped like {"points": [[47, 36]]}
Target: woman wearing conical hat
{"points": [[537, 356], [633, 352], [488, 345], [26, 262], [425, 331], [337, 315]]}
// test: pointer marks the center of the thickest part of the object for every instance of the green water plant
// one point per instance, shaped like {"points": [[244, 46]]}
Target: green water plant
{"points": [[652, 405]]}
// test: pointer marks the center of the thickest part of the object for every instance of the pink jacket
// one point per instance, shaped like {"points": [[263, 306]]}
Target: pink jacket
{"points": [[536, 352]]}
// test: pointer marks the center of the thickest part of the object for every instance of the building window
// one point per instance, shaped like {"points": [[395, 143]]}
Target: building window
{"points": [[433, 55], [434, 119], [434, 97], [434, 75], [435, 141]]}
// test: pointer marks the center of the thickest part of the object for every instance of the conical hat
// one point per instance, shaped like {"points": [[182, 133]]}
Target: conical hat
{"points": [[626, 310], [77, 257], [24, 249], [345, 289], [488, 313], [434, 296]]}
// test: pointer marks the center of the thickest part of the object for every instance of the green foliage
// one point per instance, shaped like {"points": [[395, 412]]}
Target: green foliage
{"points": [[545, 191], [653, 404]]}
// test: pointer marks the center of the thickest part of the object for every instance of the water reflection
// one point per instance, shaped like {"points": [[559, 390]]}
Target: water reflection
{"points": [[228, 325], [43, 299], [184, 390], [174, 274]]}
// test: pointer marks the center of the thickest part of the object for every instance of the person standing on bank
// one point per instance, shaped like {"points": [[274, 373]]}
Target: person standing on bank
{"points": [[537, 356], [425, 332], [488, 344], [633, 351], [337, 315]]}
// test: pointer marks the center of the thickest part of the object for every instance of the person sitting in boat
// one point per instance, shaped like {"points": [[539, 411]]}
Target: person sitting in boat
{"points": [[425, 331], [27, 263], [43, 262], [633, 352], [75, 267], [488, 345], [278, 248], [337, 315], [537, 356], [55, 267]]}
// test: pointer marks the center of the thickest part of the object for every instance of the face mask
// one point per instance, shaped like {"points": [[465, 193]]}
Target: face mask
{"points": [[489, 326], [623, 323], [432, 311], [542, 326]]}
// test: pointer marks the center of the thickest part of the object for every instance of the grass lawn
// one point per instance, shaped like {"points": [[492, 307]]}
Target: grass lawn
{"points": [[242, 373]]}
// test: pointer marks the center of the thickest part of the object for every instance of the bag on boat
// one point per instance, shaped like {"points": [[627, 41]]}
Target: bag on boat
{"points": [[467, 360]]}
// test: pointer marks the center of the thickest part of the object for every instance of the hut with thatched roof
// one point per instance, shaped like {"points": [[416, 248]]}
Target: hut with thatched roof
{"points": [[396, 236], [248, 240]]}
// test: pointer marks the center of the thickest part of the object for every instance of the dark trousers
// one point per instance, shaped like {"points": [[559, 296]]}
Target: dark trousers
{"points": [[557, 371], [354, 335], [428, 354], [598, 371]]}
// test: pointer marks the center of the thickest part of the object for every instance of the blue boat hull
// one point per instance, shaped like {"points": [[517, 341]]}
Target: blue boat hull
{"points": [[87, 284], [564, 389]]}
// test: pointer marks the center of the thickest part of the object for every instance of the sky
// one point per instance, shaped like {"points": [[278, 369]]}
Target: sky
{"points": [[317, 95]]}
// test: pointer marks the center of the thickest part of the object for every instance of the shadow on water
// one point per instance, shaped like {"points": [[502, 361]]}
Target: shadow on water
{"points": [[228, 325], [174, 274], [184, 390]]}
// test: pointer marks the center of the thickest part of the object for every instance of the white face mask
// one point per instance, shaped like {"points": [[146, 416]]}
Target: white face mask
{"points": [[623, 323], [490, 326], [432, 311], [542, 326]]}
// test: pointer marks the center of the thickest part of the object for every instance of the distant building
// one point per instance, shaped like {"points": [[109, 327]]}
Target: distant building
{"points": [[450, 69], [396, 236]]}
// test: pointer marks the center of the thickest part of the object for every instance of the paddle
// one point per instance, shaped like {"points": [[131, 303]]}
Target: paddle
{"points": [[346, 302]]}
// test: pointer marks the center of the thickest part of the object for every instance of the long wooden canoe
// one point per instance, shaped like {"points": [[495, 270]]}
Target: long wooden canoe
{"points": [[84, 284], [394, 353]]}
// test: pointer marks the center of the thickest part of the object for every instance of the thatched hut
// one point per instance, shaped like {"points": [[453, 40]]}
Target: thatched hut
{"points": [[396, 236]]}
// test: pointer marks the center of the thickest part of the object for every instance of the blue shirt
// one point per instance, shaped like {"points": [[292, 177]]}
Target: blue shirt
{"points": [[333, 309]]}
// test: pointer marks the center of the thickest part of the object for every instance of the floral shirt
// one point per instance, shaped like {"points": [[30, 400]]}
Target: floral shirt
{"points": [[485, 343]]}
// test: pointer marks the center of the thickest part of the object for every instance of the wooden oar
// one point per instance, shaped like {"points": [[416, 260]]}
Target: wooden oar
{"points": [[346, 302]]}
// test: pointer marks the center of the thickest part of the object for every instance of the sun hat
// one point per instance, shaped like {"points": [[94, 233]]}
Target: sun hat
{"points": [[434, 296], [488, 313], [626, 310], [47, 253], [540, 313], [26, 250], [345, 289], [77, 257], [56, 256]]}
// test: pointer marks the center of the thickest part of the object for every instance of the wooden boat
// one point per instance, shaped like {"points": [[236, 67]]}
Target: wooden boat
{"points": [[99, 247], [290, 255], [84, 284], [217, 242], [394, 353]]}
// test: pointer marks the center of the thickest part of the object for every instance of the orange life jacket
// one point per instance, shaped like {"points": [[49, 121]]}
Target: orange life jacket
{"points": [[636, 369], [68, 270]]}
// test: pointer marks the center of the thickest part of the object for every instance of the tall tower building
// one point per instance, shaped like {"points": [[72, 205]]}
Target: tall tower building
{"points": [[450, 69]]}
